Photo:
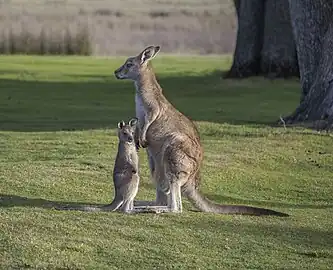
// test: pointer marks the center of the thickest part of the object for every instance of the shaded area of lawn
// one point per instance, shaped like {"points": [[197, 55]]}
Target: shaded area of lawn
{"points": [[99, 101]]}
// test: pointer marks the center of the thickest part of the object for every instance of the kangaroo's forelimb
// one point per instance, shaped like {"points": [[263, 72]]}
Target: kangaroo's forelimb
{"points": [[151, 114]]}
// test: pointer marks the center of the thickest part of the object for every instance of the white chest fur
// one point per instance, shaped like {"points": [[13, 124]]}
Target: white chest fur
{"points": [[139, 108]]}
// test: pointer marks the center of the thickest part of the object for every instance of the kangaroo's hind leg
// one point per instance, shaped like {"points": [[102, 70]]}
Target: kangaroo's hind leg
{"points": [[178, 167], [161, 196], [175, 196], [156, 177], [162, 186]]}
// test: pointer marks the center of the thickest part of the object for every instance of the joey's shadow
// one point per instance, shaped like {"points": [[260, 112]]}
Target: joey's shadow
{"points": [[8, 200], [19, 201]]}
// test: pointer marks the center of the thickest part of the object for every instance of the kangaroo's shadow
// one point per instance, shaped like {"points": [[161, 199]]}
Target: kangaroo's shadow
{"points": [[7, 201], [262, 203]]}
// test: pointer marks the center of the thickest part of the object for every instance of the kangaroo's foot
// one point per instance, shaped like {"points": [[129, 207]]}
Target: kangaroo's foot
{"points": [[151, 209], [144, 203], [175, 198]]}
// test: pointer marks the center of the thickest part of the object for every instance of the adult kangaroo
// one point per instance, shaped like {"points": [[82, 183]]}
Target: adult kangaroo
{"points": [[172, 141]]}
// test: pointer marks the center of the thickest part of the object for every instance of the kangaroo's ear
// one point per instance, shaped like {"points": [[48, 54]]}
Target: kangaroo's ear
{"points": [[133, 122], [149, 53], [121, 124]]}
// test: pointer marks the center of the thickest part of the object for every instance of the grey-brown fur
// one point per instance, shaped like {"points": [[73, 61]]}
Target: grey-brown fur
{"points": [[126, 169], [125, 173], [172, 141]]}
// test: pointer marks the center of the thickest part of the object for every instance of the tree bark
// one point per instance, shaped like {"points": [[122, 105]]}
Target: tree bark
{"points": [[278, 56], [237, 7], [249, 38], [265, 43], [312, 22]]}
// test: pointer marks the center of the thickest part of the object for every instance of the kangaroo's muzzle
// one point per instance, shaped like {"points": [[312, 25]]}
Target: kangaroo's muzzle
{"points": [[119, 73]]}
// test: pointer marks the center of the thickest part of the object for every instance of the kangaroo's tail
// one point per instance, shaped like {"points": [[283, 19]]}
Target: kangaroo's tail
{"points": [[203, 204]]}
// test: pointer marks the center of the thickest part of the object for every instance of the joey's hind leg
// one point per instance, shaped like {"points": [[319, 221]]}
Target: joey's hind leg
{"points": [[127, 207]]}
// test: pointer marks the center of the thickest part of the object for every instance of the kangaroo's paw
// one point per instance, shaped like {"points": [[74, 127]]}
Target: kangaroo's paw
{"points": [[143, 141]]}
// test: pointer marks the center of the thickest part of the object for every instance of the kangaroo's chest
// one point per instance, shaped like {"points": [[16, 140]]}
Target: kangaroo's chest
{"points": [[125, 165], [139, 108]]}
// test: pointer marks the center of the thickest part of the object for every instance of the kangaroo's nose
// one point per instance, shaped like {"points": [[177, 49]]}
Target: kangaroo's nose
{"points": [[130, 139]]}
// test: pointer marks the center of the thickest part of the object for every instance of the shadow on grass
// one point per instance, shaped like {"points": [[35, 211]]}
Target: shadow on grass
{"points": [[100, 101], [265, 203], [19, 201]]}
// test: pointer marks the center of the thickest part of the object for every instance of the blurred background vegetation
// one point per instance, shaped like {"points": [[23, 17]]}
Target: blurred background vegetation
{"points": [[102, 27]]}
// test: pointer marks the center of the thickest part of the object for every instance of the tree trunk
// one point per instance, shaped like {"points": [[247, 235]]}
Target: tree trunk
{"points": [[237, 7], [249, 38], [278, 56], [312, 22], [265, 43]]}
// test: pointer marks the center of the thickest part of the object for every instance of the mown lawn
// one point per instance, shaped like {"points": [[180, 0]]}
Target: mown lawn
{"points": [[57, 140]]}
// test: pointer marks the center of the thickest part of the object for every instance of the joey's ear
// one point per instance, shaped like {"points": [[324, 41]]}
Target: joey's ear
{"points": [[149, 53], [121, 124], [133, 122]]}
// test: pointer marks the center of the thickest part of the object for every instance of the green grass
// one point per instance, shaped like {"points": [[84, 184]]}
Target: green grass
{"points": [[58, 143]]}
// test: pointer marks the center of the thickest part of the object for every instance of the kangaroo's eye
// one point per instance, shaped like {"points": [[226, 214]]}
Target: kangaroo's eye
{"points": [[128, 65]]}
